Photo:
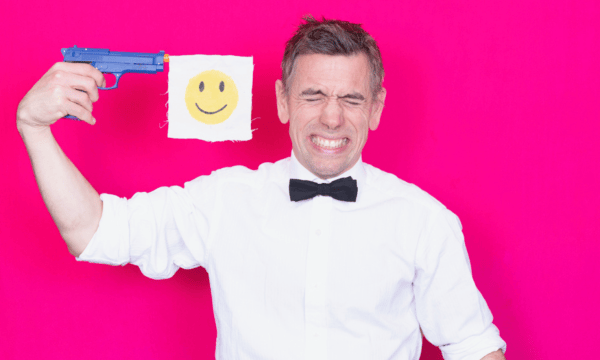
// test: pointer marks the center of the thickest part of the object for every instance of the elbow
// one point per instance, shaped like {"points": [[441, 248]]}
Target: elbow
{"points": [[75, 250], [78, 240], [75, 247], [77, 235]]}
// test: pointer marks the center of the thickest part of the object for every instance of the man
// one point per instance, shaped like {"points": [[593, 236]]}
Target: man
{"points": [[298, 270]]}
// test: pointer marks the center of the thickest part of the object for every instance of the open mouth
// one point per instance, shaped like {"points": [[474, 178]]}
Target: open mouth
{"points": [[328, 144], [211, 112]]}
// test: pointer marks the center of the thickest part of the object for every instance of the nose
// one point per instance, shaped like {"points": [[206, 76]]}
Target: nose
{"points": [[332, 115]]}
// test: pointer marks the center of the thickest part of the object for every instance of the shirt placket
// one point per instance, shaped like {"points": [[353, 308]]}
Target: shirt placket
{"points": [[316, 300]]}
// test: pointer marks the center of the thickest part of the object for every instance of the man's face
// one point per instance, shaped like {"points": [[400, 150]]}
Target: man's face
{"points": [[330, 108]]}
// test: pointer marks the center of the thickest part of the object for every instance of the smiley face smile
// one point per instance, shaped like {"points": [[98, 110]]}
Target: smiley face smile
{"points": [[210, 112]]}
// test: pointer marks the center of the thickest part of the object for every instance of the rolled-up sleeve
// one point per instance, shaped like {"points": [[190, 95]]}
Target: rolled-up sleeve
{"points": [[160, 231], [110, 243], [451, 311]]}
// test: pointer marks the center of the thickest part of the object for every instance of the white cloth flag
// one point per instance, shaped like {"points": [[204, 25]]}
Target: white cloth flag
{"points": [[210, 97]]}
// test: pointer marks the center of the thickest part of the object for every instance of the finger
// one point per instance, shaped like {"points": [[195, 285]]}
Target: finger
{"points": [[68, 79], [83, 69], [80, 112], [84, 83], [79, 97]]}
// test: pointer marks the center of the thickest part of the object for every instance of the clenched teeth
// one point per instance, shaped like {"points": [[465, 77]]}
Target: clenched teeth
{"points": [[328, 144]]}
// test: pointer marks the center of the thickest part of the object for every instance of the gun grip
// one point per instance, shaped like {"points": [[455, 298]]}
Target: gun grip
{"points": [[117, 77]]}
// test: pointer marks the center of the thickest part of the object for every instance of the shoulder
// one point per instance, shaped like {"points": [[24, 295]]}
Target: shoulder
{"points": [[388, 187], [413, 202]]}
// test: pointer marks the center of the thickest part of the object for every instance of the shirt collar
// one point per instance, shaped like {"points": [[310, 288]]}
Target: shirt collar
{"points": [[298, 171]]}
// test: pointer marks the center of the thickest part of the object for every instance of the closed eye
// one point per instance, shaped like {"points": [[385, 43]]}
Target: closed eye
{"points": [[312, 95], [353, 99]]}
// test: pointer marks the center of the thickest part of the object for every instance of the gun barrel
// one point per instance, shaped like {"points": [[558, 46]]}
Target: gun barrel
{"points": [[108, 67]]}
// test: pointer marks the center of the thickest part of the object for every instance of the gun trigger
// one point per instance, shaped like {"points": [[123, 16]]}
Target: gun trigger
{"points": [[117, 77]]}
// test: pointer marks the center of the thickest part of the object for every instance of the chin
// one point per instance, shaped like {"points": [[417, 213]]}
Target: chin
{"points": [[325, 171]]}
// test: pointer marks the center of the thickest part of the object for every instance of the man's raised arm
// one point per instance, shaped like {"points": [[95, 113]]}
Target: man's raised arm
{"points": [[73, 203]]}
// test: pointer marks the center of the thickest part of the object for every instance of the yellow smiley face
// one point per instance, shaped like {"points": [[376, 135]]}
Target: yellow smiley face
{"points": [[211, 97]]}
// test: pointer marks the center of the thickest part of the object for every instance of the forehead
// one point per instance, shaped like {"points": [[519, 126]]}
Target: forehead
{"points": [[335, 73]]}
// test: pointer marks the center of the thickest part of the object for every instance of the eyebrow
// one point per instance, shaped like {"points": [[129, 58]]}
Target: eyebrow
{"points": [[354, 96], [311, 92]]}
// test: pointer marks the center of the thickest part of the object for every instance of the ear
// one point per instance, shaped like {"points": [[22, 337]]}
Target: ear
{"points": [[377, 109], [282, 104]]}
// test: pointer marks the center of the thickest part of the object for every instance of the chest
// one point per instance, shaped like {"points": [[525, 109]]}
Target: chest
{"points": [[347, 256]]}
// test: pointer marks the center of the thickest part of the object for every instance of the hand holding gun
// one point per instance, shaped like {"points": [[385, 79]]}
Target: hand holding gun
{"points": [[116, 63], [71, 88]]}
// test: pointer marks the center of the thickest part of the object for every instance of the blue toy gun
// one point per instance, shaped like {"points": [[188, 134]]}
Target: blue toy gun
{"points": [[116, 63]]}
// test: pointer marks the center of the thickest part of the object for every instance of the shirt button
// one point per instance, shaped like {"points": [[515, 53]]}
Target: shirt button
{"points": [[318, 232]]}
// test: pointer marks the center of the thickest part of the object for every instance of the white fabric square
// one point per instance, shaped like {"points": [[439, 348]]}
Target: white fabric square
{"points": [[210, 97]]}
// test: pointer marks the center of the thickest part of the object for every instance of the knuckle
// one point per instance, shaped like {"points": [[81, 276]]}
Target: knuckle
{"points": [[90, 83], [58, 74], [56, 91]]}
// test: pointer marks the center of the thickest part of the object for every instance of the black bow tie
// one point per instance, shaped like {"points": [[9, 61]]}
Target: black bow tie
{"points": [[344, 189]]}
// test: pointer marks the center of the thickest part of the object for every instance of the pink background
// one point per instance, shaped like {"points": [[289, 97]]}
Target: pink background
{"points": [[492, 108]]}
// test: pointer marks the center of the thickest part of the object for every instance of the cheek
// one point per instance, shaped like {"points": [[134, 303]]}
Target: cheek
{"points": [[359, 122], [296, 130], [298, 121], [305, 112]]}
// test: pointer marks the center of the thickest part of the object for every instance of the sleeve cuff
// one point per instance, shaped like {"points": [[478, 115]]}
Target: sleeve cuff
{"points": [[475, 347], [110, 243]]}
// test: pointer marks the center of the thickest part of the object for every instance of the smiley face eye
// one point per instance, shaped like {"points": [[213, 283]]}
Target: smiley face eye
{"points": [[201, 86], [222, 86]]}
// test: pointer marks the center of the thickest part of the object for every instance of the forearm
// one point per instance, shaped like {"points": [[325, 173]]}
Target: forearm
{"points": [[496, 355], [73, 203]]}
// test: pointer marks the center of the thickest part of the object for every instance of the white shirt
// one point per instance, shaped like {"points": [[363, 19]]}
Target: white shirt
{"points": [[315, 279]]}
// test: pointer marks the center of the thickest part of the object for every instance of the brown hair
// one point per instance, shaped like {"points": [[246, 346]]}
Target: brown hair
{"points": [[331, 37]]}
